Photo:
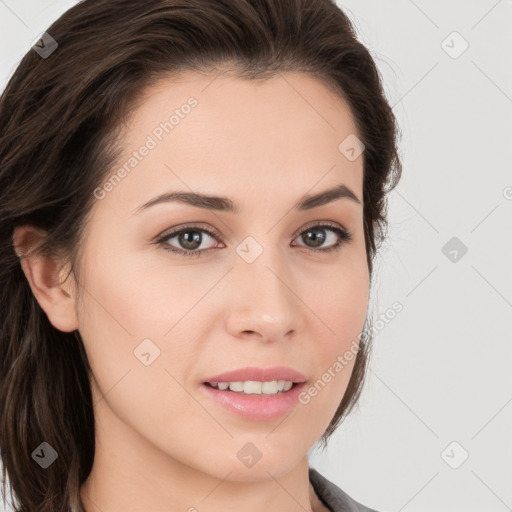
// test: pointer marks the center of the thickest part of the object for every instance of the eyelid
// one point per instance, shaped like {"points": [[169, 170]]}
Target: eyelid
{"points": [[213, 231], [343, 234], [188, 225], [319, 223]]}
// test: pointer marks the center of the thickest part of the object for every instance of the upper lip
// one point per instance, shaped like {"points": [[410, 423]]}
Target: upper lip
{"points": [[258, 374]]}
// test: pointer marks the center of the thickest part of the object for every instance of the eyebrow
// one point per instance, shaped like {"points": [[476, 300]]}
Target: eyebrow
{"points": [[223, 204]]}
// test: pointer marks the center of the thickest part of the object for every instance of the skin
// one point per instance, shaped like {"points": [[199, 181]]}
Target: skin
{"points": [[161, 443]]}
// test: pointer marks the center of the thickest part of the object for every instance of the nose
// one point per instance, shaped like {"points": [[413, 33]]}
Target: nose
{"points": [[263, 304]]}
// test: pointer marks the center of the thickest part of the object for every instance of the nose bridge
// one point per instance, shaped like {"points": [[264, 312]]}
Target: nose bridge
{"points": [[263, 301]]}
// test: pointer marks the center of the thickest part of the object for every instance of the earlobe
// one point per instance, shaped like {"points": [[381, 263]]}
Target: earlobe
{"points": [[47, 279]]}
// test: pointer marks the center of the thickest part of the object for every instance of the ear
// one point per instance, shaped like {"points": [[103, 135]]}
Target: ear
{"points": [[46, 276]]}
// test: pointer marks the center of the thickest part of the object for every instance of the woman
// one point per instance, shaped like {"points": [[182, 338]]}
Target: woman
{"points": [[192, 195]]}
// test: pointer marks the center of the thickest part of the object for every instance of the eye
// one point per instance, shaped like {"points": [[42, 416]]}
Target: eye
{"points": [[191, 238], [318, 234]]}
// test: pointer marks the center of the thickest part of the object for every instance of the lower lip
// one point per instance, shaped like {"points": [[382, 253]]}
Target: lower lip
{"points": [[257, 407]]}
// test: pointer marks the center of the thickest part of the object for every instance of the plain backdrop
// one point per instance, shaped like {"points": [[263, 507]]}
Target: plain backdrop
{"points": [[433, 427]]}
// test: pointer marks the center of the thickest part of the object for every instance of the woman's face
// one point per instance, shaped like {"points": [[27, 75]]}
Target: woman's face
{"points": [[256, 292]]}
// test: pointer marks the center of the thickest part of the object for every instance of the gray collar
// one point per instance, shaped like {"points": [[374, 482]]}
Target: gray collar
{"points": [[332, 496]]}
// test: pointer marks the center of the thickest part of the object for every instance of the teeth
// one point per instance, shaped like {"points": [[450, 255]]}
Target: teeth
{"points": [[253, 387]]}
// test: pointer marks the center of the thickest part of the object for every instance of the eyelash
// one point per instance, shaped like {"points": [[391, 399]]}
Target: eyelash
{"points": [[344, 237]]}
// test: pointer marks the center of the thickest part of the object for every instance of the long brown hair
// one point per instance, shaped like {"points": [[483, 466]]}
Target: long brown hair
{"points": [[60, 116]]}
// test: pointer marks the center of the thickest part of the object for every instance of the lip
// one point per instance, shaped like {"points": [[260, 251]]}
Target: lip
{"points": [[253, 406], [258, 374]]}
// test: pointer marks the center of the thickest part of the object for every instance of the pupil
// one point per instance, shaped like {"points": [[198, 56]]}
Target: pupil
{"points": [[316, 239], [190, 242]]}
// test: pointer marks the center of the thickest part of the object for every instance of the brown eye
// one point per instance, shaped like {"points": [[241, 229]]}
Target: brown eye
{"points": [[189, 239], [316, 236]]}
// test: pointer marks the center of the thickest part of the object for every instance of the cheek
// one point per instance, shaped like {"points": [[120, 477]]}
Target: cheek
{"points": [[139, 296], [340, 299], [339, 307], [136, 311], [345, 310], [123, 320]]}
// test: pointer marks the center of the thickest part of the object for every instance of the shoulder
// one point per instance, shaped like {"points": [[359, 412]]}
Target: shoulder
{"points": [[335, 498]]}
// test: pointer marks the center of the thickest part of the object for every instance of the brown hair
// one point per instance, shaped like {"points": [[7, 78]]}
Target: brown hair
{"points": [[60, 118]]}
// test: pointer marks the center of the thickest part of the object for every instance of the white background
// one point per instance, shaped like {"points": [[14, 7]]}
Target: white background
{"points": [[440, 370]]}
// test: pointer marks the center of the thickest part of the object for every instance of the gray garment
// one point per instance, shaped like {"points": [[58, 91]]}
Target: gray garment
{"points": [[332, 496]]}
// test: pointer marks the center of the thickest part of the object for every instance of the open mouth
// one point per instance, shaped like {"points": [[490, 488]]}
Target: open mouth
{"points": [[256, 400], [254, 387]]}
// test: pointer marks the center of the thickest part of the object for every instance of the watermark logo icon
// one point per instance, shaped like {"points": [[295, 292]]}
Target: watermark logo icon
{"points": [[455, 455], [249, 454], [146, 352], [454, 45], [352, 147], [45, 45], [44, 455], [249, 249], [454, 249]]}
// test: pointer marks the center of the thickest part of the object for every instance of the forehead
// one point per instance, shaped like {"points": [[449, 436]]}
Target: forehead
{"points": [[219, 134], [298, 100]]}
